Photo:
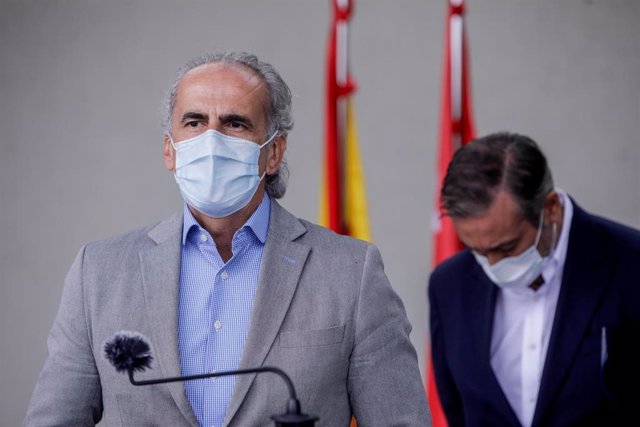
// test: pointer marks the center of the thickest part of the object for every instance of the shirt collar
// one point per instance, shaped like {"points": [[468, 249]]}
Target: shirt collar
{"points": [[258, 222]]}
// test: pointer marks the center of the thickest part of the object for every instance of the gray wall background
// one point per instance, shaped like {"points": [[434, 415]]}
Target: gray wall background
{"points": [[81, 84]]}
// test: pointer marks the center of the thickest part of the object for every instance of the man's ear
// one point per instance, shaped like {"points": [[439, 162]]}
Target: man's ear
{"points": [[276, 153], [168, 154], [553, 208]]}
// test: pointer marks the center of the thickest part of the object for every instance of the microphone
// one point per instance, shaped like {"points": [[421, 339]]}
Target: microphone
{"points": [[129, 352]]}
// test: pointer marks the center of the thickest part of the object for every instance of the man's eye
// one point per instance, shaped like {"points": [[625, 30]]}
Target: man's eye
{"points": [[193, 124], [507, 251], [236, 125]]}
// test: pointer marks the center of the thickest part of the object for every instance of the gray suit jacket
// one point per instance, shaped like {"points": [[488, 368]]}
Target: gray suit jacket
{"points": [[324, 312]]}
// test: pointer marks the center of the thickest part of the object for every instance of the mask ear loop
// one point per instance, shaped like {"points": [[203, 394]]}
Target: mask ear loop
{"points": [[173, 145], [270, 138], [554, 236], [539, 233], [171, 141], [265, 143]]}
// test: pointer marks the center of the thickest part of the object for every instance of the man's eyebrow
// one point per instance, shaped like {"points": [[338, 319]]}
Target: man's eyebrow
{"points": [[191, 115]]}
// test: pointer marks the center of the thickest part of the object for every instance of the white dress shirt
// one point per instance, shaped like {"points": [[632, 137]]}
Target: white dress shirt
{"points": [[522, 327]]}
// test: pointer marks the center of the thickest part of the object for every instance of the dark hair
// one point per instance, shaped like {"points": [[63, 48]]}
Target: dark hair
{"points": [[487, 165], [278, 108]]}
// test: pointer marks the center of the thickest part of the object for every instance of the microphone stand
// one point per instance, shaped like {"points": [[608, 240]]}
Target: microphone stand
{"points": [[292, 418]]}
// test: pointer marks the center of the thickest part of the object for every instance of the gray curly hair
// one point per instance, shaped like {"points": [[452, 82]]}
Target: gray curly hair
{"points": [[279, 117]]}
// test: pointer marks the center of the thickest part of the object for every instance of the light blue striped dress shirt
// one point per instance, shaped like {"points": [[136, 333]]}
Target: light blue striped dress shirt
{"points": [[215, 308]]}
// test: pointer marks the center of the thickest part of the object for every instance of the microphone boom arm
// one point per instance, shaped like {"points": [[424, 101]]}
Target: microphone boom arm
{"points": [[280, 372]]}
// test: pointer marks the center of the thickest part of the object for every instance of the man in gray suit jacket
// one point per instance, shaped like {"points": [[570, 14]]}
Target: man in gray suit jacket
{"points": [[234, 281]]}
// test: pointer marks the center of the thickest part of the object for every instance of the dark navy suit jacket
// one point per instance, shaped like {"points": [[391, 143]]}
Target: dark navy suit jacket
{"points": [[589, 377]]}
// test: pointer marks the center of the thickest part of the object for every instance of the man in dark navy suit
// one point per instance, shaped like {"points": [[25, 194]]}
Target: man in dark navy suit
{"points": [[537, 322]]}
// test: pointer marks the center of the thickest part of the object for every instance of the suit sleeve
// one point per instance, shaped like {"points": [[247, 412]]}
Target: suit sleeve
{"points": [[385, 386], [68, 390], [447, 390]]}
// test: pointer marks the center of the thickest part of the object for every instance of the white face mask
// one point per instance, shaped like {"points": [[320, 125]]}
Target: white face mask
{"points": [[217, 174], [517, 271]]}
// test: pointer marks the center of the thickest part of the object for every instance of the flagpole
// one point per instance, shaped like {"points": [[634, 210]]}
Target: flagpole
{"points": [[455, 45], [342, 75], [330, 202]]}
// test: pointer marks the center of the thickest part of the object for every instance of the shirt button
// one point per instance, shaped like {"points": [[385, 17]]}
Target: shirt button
{"points": [[532, 400], [203, 237], [532, 347], [224, 275], [217, 324]]}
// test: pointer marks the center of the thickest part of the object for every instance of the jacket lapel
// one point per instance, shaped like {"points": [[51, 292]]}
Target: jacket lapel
{"points": [[160, 267], [583, 284], [282, 264]]}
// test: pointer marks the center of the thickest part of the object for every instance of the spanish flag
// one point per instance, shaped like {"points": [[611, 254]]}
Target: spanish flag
{"points": [[456, 129], [343, 200]]}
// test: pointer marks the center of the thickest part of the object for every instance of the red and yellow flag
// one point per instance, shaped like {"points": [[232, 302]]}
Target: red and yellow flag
{"points": [[343, 201], [456, 129]]}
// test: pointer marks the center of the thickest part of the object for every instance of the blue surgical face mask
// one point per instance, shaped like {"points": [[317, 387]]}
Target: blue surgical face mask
{"points": [[517, 271], [217, 174]]}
